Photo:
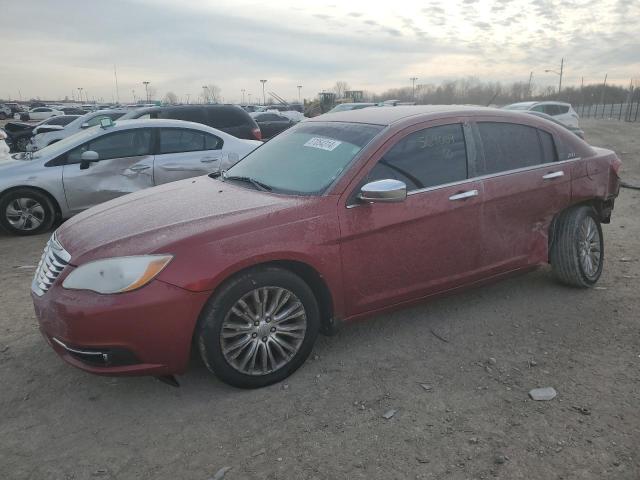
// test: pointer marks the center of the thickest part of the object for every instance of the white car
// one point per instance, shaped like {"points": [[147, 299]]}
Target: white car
{"points": [[4, 148], [42, 113], [91, 119], [560, 111], [107, 161]]}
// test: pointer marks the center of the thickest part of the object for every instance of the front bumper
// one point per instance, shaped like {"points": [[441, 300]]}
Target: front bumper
{"points": [[144, 332]]}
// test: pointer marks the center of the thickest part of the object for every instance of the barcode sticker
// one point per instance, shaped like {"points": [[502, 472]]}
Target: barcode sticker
{"points": [[323, 143]]}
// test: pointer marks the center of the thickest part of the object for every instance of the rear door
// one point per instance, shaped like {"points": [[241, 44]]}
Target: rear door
{"points": [[125, 165], [524, 187], [430, 242], [184, 153]]}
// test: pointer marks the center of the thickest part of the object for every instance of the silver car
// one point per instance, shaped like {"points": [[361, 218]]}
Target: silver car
{"points": [[105, 162]]}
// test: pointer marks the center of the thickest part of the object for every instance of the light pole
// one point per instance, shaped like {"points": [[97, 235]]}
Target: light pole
{"points": [[529, 87], [413, 86], [249, 98], [80, 94], [133, 94], [264, 99], [242, 90], [187, 95], [205, 93], [558, 73], [146, 89], [299, 88]]}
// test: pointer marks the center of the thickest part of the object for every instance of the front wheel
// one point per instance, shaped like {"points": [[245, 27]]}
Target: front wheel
{"points": [[25, 211], [577, 252], [259, 328]]}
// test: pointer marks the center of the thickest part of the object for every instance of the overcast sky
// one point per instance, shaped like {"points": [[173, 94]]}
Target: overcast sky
{"points": [[51, 47]]}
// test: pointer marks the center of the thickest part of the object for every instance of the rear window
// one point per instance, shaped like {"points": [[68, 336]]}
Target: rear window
{"points": [[225, 117], [509, 146]]}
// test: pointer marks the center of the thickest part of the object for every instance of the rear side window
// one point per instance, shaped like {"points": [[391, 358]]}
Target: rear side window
{"points": [[177, 140], [426, 158], [548, 147], [508, 146], [560, 109]]}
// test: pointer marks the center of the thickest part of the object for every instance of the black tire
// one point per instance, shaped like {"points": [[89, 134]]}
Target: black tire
{"points": [[209, 330], [3, 116], [21, 144], [45, 215], [569, 245]]}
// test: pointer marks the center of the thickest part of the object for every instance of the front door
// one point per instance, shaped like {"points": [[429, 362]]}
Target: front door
{"points": [[397, 252], [125, 165]]}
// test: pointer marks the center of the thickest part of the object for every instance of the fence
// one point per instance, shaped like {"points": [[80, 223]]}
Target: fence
{"points": [[629, 111]]}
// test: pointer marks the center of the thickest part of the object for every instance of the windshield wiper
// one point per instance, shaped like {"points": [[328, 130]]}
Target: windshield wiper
{"points": [[256, 183]]}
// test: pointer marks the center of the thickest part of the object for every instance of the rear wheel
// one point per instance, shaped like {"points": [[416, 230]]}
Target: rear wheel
{"points": [[577, 252], [259, 328], [25, 211]]}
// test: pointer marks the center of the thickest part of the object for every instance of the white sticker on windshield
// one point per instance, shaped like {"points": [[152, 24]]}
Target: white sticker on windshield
{"points": [[323, 143]]}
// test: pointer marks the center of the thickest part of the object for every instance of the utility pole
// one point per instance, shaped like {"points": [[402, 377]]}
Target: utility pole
{"points": [[413, 86], [529, 87], [115, 74], [604, 86], [561, 70], [249, 98], [146, 89], [299, 88], [80, 94], [264, 99], [242, 90], [205, 93]]}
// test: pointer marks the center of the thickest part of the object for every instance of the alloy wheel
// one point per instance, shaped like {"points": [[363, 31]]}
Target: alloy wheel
{"points": [[25, 214], [263, 330], [589, 247]]}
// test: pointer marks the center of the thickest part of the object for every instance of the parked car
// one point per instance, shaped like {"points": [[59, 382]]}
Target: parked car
{"points": [[575, 130], [87, 120], [4, 148], [20, 134], [228, 118], [73, 111], [5, 112], [39, 113], [102, 163], [271, 123], [343, 107], [562, 112], [339, 217]]}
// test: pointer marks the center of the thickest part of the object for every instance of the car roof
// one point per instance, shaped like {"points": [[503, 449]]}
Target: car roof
{"points": [[165, 122], [390, 115]]}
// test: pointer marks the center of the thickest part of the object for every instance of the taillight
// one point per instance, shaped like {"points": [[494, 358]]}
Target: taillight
{"points": [[616, 163], [257, 133]]}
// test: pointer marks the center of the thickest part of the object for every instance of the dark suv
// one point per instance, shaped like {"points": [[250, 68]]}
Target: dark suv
{"points": [[228, 118]]}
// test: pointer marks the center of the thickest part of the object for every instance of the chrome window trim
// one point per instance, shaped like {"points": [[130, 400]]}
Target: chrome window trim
{"points": [[482, 177]]}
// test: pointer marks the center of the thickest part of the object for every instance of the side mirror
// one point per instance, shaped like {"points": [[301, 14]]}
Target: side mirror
{"points": [[383, 191], [85, 125], [87, 158]]}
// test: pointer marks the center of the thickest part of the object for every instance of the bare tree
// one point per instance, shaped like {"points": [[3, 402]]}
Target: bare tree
{"points": [[171, 98], [211, 93], [340, 88]]}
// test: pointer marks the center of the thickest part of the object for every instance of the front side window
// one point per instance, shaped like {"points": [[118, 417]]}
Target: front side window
{"points": [[96, 120], [426, 158], [508, 146], [129, 143], [305, 159]]}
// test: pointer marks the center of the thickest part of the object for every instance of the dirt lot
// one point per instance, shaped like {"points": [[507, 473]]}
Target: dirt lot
{"points": [[475, 421]]}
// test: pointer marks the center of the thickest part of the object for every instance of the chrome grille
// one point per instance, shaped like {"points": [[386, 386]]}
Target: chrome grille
{"points": [[52, 263]]}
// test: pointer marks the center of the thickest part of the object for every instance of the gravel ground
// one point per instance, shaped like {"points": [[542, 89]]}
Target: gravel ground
{"points": [[478, 354]]}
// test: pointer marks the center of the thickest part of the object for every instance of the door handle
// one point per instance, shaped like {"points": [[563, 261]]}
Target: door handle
{"points": [[551, 175], [209, 159], [139, 168], [464, 195]]}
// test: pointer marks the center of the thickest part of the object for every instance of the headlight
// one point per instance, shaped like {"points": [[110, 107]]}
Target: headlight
{"points": [[116, 275]]}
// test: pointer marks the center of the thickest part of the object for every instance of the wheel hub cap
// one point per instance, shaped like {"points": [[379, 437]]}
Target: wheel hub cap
{"points": [[589, 247], [25, 214], [263, 330]]}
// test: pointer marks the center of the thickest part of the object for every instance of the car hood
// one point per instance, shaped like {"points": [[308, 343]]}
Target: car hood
{"points": [[158, 219]]}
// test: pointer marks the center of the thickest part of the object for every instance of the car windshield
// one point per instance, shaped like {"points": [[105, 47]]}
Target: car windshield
{"points": [[306, 159], [63, 145]]}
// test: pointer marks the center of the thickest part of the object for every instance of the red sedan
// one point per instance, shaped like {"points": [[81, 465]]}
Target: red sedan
{"points": [[337, 218]]}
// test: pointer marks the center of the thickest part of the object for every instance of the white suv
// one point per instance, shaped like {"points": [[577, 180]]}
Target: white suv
{"points": [[560, 111]]}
